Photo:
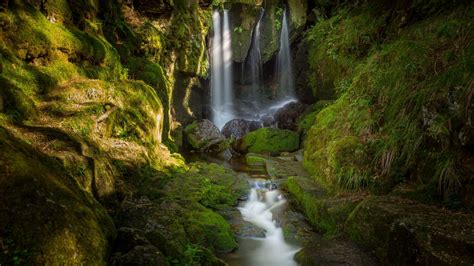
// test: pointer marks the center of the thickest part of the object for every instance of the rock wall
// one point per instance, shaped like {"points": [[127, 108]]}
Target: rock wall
{"points": [[91, 92]]}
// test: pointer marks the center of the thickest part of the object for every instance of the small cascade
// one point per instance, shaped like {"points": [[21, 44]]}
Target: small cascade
{"points": [[286, 86], [273, 250], [254, 61], [221, 70]]}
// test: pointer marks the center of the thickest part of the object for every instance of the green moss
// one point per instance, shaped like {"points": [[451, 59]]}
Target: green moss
{"points": [[254, 160], [210, 229], [186, 205], [59, 211], [270, 140], [325, 210], [307, 120], [396, 115]]}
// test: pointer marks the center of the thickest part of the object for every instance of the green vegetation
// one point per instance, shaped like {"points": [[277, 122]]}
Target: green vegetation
{"points": [[402, 85], [270, 140]]}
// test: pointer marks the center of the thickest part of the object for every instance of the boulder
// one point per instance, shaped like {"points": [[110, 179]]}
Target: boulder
{"points": [[410, 233], [287, 117], [238, 128], [203, 135], [269, 140]]}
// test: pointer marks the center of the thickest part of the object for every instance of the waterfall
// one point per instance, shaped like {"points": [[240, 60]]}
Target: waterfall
{"points": [[286, 86], [255, 61], [221, 70]]}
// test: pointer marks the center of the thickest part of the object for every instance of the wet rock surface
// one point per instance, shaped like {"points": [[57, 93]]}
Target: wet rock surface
{"points": [[287, 117], [237, 128]]}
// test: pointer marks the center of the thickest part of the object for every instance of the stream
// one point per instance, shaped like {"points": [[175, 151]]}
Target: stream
{"points": [[262, 207], [269, 231]]}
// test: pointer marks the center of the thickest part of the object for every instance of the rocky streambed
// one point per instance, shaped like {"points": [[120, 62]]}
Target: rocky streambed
{"points": [[270, 226]]}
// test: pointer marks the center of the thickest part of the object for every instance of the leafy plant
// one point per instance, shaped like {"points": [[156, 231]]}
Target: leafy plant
{"points": [[238, 29]]}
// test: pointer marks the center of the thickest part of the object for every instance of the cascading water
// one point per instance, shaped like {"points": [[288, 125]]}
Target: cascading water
{"points": [[221, 70], [255, 61], [286, 86], [272, 249]]}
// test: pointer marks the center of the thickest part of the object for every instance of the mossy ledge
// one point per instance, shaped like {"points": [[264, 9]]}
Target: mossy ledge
{"points": [[394, 228]]}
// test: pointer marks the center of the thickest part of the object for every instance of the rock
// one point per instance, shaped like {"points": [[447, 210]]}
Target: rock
{"points": [[323, 211], [287, 117], [141, 255], [410, 233], [269, 140], [187, 98], [46, 219], [303, 91], [268, 120], [225, 154], [254, 160], [297, 11], [244, 17], [333, 252], [238, 128], [203, 135]]}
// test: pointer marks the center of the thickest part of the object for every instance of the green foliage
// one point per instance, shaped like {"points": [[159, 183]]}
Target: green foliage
{"points": [[278, 21], [401, 98], [238, 29]]}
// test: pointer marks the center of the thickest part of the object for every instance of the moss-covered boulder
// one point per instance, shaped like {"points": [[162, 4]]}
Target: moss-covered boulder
{"points": [[324, 210], [408, 232], [46, 217], [269, 140], [202, 135], [181, 214]]}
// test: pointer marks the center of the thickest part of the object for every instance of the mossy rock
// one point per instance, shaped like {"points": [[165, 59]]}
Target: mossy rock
{"points": [[47, 213], [254, 160], [409, 232], [244, 19], [308, 119], [325, 211], [179, 213], [270, 140], [202, 135]]}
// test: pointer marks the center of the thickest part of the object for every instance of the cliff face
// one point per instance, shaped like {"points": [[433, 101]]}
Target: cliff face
{"points": [[90, 92]]}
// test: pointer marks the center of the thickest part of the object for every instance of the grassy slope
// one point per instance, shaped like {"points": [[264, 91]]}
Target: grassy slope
{"points": [[403, 75]]}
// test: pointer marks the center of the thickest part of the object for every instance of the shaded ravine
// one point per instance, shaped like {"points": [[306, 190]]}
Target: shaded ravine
{"points": [[271, 230]]}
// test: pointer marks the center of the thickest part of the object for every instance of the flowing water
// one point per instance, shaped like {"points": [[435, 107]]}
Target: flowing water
{"points": [[221, 69], [271, 249], [286, 86]]}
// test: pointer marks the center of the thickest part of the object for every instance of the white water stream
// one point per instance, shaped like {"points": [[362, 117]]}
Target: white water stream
{"points": [[271, 250]]}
